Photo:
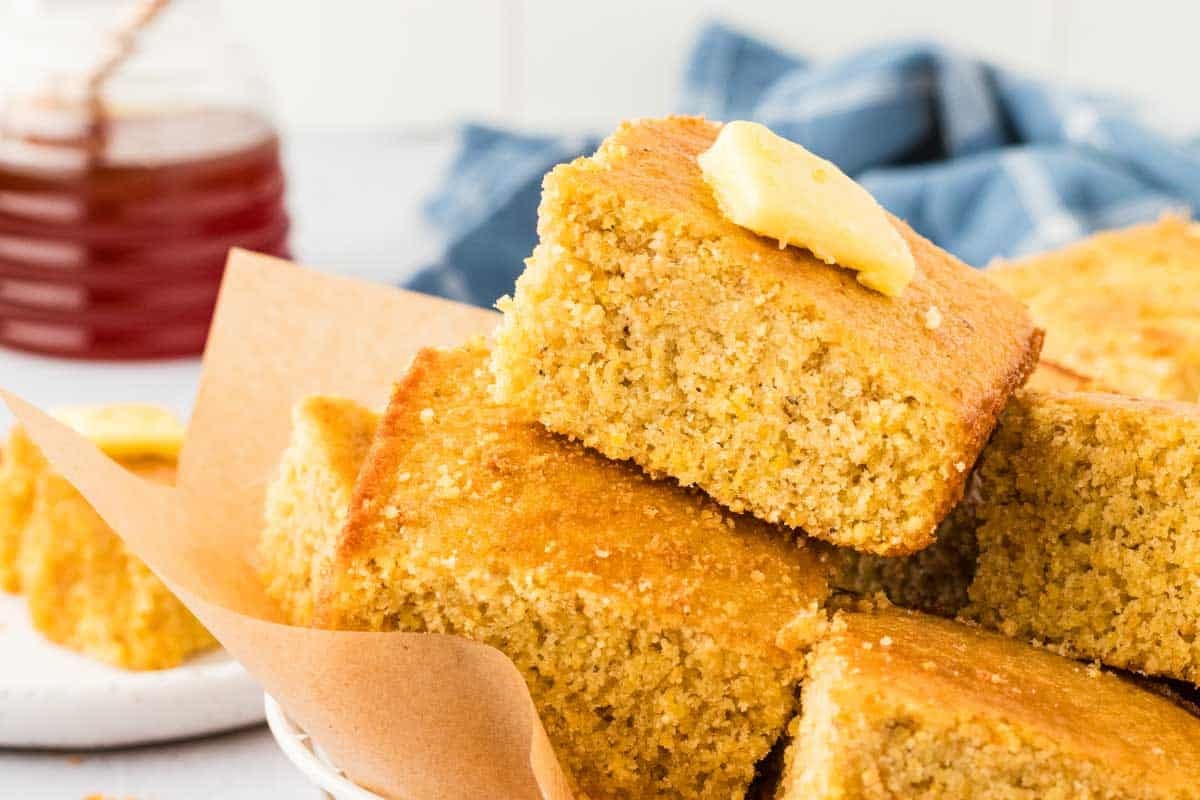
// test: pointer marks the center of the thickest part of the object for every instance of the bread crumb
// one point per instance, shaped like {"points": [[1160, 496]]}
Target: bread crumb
{"points": [[933, 318], [426, 415]]}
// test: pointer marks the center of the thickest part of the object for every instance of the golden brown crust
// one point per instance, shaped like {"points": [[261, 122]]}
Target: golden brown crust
{"points": [[661, 635], [944, 672], [475, 465], [342, 428], [1122, 307]]}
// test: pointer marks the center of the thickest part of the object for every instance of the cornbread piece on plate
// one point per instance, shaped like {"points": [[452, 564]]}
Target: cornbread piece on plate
{"points": [[900, 705], [650, 327], [88, 593], [1088, 529], [307, 502], [20, 463], [84, 589], [1122, 307], [661, 635]]}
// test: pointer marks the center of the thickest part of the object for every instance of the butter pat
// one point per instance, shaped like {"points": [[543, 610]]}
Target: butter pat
{"points": [[776, 188], [127, 430]]}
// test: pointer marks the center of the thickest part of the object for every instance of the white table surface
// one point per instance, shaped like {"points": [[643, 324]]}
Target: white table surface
{"points": [[355, 201]]}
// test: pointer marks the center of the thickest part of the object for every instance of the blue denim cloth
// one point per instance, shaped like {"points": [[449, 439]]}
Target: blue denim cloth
{"points": [[984, 162]]}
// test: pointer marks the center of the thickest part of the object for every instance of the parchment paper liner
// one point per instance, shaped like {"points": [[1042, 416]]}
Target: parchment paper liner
{"points": [[406, 715]]}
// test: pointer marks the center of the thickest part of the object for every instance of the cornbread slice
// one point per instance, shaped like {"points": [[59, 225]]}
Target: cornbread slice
{"points": [[87, 592], [1089, 529], [84, 589], [660, 634], [307, 502], [650, 327], [899, 705], [1121, 307], [20, 463]]}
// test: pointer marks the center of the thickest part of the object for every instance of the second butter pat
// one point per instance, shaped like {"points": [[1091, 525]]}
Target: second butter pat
{"points": [[127, 430], [776, 188]]}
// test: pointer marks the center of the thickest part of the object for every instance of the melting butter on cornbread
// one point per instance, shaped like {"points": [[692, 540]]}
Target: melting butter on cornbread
{"points": [[777, 188]]}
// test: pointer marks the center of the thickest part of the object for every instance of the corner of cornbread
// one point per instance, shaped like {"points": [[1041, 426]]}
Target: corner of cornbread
{"points": [[648, 326], [307, 501], [899, 705], [661, 636], [1121, 308]]}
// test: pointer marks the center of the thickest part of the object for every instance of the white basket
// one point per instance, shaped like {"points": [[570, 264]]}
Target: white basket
{"points": [[309, 758]]}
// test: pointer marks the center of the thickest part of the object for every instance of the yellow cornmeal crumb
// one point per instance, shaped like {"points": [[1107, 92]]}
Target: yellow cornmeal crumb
{"points": [[776, 188], [659, 664], [307, 502], [949, 711], [20, 464], [650, 327], [1088, 529], [1121, 309], [84, 589]]}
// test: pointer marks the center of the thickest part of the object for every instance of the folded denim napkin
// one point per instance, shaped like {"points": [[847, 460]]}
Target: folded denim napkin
{"points": [[982, 161]]}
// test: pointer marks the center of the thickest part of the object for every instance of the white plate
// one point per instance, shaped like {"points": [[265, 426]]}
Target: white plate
{"points": [[309, 758], [55, 698]]}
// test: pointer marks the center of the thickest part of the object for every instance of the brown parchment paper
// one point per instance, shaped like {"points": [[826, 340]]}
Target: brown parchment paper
{"points": [[410, 716]]}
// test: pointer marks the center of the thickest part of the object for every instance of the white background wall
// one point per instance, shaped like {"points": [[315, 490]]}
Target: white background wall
{"points": [[419, 64]]}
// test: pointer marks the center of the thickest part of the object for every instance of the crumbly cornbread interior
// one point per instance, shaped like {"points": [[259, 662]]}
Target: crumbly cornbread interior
{"points": [[904, 705], [1089, 529], [660, 635], [84, 590], [87, 592], [651, 328], [307, 502], [1121, 307], [20, 464]]}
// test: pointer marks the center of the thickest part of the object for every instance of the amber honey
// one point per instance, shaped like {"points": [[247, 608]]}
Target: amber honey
{"points": [[114, 228]]}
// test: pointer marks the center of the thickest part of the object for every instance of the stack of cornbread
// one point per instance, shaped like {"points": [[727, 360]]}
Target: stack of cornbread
{"points": [[85, 590], [729, 394]]}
